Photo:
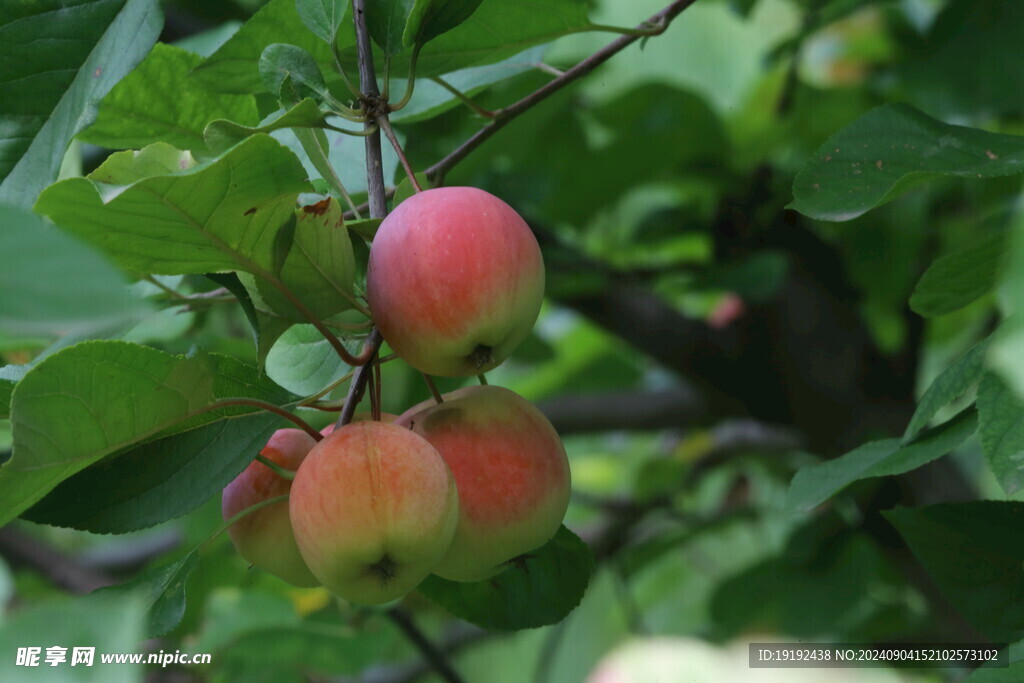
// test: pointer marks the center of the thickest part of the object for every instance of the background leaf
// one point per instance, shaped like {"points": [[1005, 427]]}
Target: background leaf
{"points": [[974, 552], [957, 279], [891, 149], [162, 590], [1001, 427], [430, 18], [322, 17], [51, 94], [303, 362], [815, 484]]}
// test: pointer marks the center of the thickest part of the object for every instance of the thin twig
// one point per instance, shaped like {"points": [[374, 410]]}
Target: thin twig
{"points": [[437, 659], [433, 388], [464, 98], [271, 408]]}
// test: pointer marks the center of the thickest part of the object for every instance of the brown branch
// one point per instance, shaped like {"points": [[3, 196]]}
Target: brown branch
{"points": [[662, 19]]}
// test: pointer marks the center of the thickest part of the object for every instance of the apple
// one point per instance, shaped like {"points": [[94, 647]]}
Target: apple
{"points": [[455, 281], [374, 508], [510, 469], [265, 537]]}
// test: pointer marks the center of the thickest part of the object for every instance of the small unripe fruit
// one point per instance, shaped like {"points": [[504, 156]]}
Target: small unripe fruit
{"points": [[511, 472], [455, 281], [265, 537], [374, 508]]}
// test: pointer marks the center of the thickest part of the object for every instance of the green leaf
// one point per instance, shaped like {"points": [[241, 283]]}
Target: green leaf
{"points": [[291, 74], [157, 481], [50, 93], [159, 101], [430, 18], [221, 215], [386, 21], [125, 168], [498, 30], [540, 591], [163, 591], [322, 17], [1001, 427], [52, 284], [814, 484], [890, 149], [319, 267], [220, 135], [95, 398], [974, 552], [957, 279], [234, 67], [303, 362], [954, 382], [107, 623], [404, 189]]}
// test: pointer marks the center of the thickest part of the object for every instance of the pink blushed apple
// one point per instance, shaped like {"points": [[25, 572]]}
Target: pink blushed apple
{"points": [[511, 472], [374, 508], [455, 281], [265, 537]]}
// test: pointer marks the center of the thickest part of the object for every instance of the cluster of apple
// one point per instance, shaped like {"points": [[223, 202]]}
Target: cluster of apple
{"points": [[459, 488]]}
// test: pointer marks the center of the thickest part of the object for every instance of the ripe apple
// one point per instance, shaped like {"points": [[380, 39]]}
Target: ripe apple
{"points": [[455, 281], [374, 508], [265, 537], [510, 469]]}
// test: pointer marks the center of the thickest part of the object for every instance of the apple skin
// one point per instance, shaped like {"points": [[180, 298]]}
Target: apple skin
{"points": [[511, 472], [362, 417], [265, 537], [374, 507], [455, 281]]}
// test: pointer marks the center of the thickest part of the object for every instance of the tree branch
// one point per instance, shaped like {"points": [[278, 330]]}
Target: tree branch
{"points": [[662, 19]]}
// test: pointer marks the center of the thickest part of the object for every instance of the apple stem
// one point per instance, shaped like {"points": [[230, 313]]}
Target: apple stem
{"points": [[433, 387], [358, 385], [483, 379], [464, 98], [282, 472]]}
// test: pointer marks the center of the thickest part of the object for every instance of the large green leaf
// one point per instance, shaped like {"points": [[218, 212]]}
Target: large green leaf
{"points": [[975, 554], [159, 101], [815, 484], [539, 591], [951, 384], [233, 67], [52, 284], [222, 215], [156, 481], [110, 624], [1001, 427], [957, 279], [891, 149], [386, 21], [59, 60], [322, 17], [291, 74], [498, 30], [430, 18], [95, 398], [162, 591]]}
